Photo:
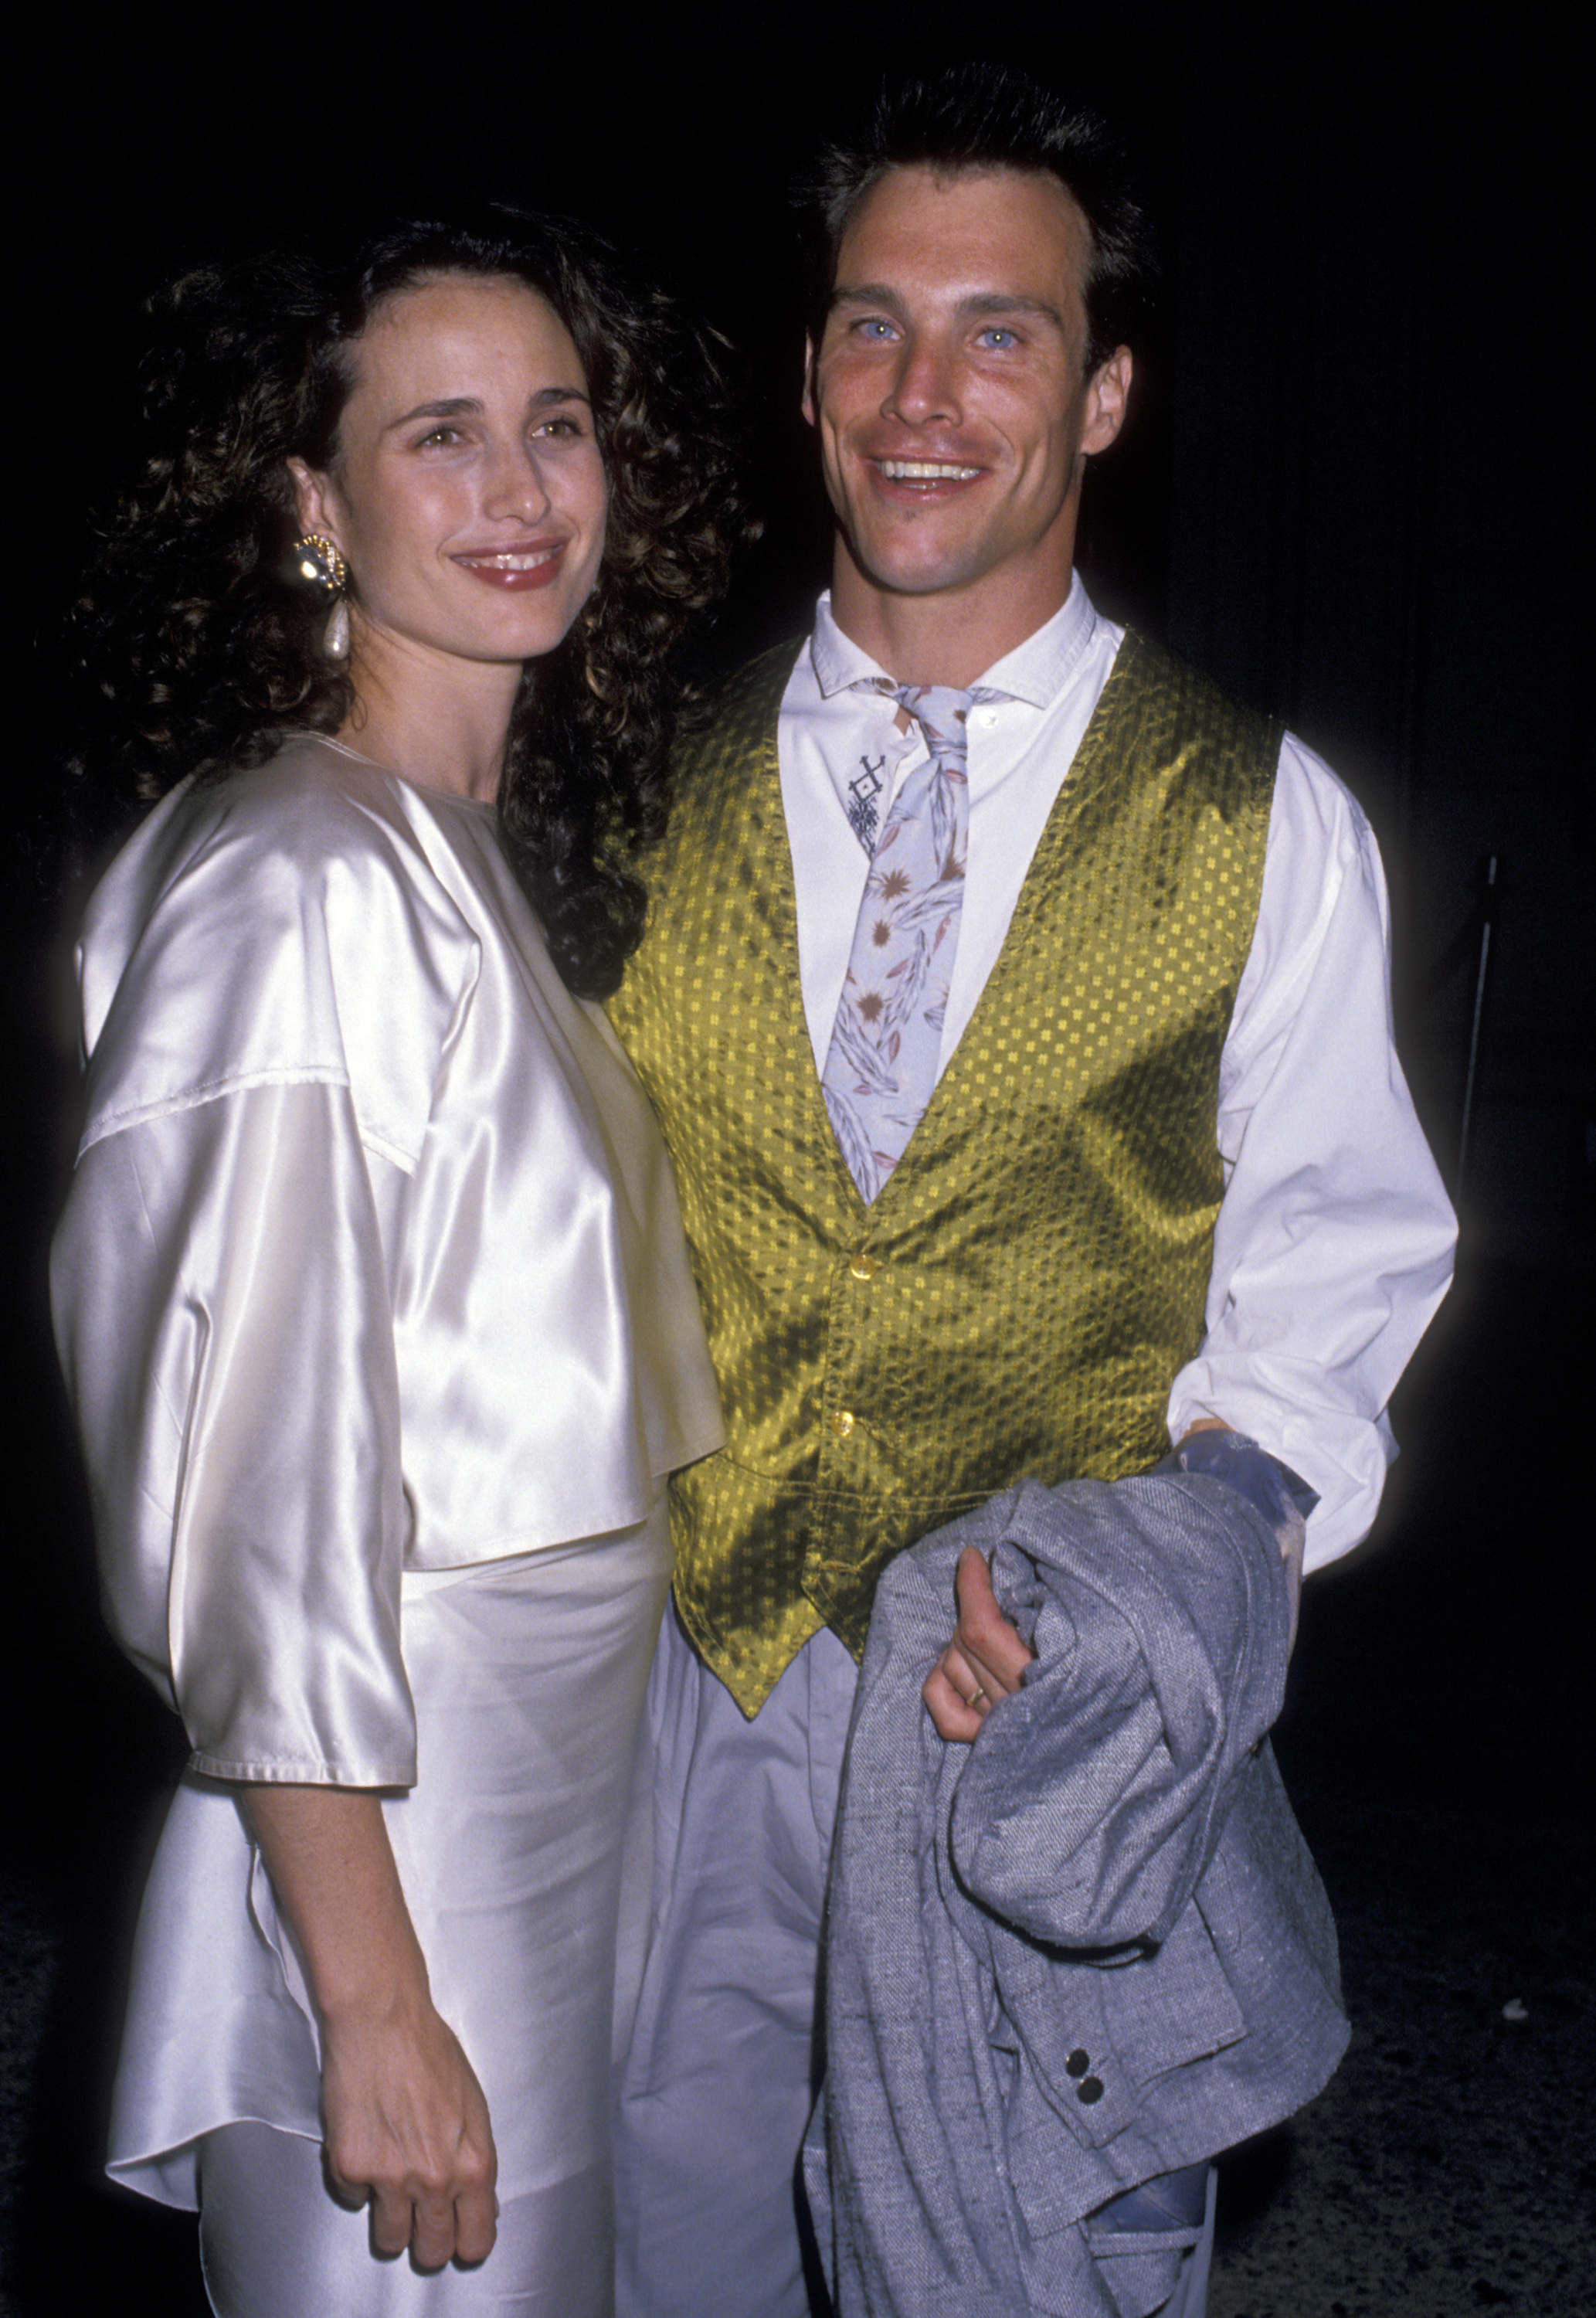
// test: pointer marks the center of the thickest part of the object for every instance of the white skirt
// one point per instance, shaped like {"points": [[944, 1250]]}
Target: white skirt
{"points": [[528, 1676]]}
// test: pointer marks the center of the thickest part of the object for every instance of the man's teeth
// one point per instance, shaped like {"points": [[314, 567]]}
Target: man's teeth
{"points": [[926, 471]]}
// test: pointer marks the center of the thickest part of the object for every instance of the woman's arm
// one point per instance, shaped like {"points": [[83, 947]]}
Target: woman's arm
{"points": [[406, 2121]]}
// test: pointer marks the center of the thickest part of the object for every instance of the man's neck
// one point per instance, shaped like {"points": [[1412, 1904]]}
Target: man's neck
{"points": [[950, 638]]}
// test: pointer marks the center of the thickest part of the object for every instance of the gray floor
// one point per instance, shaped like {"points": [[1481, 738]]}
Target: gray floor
{"points": [[1442, 2171]]}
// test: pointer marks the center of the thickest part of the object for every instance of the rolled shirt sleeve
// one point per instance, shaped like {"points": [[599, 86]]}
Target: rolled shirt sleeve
{"points": [[1335, 1238]]}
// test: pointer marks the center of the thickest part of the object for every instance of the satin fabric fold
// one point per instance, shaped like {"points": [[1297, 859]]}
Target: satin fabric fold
{"points": [[274, 2245], [529, 1675], [372, 1258]]}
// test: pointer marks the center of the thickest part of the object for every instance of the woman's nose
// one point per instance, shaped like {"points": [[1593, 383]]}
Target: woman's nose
{"points": [[516, 486]]}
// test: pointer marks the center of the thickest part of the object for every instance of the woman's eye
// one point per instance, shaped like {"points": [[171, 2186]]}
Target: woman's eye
{"points": [[560, 427], [445, 436]]}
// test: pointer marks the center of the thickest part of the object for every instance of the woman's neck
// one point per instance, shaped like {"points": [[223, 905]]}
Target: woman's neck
{"points": [[437, 720]]}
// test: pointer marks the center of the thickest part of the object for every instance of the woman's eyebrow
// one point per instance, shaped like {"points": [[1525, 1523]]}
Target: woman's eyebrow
{"points": [[465, 406], [457, 406]]}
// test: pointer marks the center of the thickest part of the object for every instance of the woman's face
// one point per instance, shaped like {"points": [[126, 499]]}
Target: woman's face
{"points": [[467, 493]]}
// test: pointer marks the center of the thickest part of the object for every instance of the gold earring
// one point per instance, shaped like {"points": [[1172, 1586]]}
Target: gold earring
{"points": [[318, 561]]}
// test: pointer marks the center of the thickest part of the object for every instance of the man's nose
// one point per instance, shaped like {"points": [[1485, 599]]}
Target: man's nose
{"points": [[924, 387]]}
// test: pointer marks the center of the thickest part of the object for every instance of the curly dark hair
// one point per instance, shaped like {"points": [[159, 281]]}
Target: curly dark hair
{"points": [[200, 648], [991, 116]]}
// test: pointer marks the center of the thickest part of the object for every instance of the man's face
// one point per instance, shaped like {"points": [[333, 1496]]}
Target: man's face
{"points": [[948, 389]]}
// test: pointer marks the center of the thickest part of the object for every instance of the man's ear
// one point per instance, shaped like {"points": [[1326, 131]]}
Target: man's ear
{"points": [[809, 361], [1107, 392], [312, 498]]}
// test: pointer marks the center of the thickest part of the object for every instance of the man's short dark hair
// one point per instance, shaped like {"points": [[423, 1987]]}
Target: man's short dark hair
{"points": [[983, 116]]}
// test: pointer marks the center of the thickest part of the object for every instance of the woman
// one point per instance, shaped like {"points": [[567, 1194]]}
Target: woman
{"points": [[371, 1288]]}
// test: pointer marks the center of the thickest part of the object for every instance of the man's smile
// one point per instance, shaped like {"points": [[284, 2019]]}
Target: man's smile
{"points": [[925, 471]]}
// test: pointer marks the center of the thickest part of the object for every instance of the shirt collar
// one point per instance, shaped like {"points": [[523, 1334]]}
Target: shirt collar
{"points": [[1037, 671]]}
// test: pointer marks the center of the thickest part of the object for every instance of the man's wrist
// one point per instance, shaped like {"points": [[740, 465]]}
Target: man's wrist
{"points": [[1267, 1484]]}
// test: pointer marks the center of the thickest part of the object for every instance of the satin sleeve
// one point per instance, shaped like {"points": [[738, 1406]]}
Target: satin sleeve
{"points": [[223, 1309]]}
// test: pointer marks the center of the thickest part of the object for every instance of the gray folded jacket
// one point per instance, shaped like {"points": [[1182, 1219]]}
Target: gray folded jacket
{"points": [[1092, 1948]]}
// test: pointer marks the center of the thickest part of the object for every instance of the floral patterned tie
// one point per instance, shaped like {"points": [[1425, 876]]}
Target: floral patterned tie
{"points": [[886, 1041]]}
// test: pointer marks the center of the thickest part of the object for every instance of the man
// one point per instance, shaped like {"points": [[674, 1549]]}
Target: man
{"points": [[1023, 1047]]}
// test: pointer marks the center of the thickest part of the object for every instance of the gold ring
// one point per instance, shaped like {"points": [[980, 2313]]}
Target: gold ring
{"points": [[976, 1697]]}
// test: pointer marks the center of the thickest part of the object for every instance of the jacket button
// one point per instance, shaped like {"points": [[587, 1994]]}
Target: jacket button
{"points": [[1089, 2088], [842, 1423], [862, 1266], [1077, 2064]]}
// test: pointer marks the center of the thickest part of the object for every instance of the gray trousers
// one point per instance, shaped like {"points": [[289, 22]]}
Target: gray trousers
{"points": [[718, 2063]]}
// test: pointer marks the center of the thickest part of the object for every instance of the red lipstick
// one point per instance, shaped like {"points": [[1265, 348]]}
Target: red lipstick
{"points": [[529, 564]]}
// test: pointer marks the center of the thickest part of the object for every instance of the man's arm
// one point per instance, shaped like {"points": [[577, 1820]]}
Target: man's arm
{"points": [[985, 1660], [1334, 1240]]}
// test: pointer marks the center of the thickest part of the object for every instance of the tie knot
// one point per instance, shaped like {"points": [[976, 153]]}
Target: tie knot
{"points": [[942, 715], [941, 711]]}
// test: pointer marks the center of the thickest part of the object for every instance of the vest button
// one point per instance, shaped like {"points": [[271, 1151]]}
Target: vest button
{"points": [[842, 1423], [862, 1266]]}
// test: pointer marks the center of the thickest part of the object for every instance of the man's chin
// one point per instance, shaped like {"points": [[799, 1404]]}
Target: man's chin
{"points": [[916, 567]]}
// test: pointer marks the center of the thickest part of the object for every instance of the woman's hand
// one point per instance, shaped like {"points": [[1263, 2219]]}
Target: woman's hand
{"points": [[985, 1660], [407, 2125]]}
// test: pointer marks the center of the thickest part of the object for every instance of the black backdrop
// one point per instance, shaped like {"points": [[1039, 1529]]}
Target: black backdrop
{"points": [[1353, 489], [1353, 484]]}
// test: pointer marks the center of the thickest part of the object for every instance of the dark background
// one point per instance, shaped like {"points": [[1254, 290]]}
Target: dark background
{"points": [[1353, 489]]}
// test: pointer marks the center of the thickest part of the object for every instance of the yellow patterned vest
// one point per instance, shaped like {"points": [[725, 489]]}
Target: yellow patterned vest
{"points": [[1021, 1296]]}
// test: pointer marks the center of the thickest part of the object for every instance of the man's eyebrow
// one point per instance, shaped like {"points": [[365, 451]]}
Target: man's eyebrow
{"points": [[467, 405], [866, 293], [979, 301], [998, 301]]}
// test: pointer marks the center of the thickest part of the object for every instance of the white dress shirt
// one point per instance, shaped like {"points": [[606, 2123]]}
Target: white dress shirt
{"points": [[1334, 1241]]}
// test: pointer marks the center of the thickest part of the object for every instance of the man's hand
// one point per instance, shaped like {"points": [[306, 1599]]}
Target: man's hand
{"points": [[984, 1661]]}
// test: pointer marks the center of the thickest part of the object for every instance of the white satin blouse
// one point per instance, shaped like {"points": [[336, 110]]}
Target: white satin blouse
{"points": [[372, 1262]]}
